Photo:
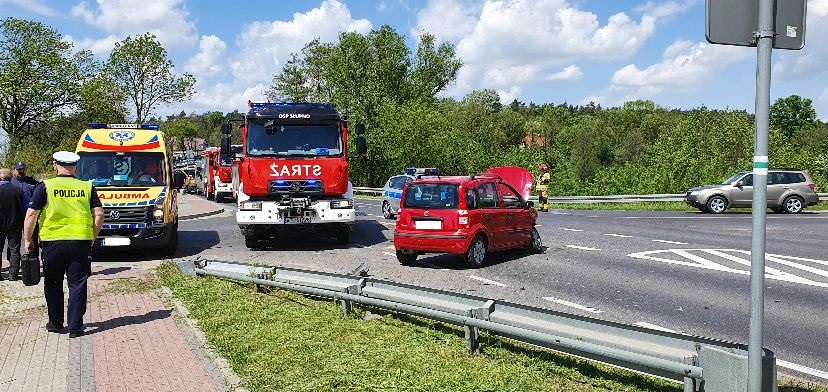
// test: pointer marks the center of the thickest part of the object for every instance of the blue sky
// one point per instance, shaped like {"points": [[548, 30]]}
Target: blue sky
{"points": [[538, 51]]}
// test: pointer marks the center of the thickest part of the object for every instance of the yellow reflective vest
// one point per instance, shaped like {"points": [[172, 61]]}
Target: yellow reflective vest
{"points": [[67, 214]]}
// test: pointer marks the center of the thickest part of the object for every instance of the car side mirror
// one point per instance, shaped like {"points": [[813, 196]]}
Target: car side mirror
{"points": [[530, 204], [361, 146]]}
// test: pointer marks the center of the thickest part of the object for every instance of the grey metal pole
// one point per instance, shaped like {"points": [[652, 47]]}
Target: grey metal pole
{"points": [[764, 44]]}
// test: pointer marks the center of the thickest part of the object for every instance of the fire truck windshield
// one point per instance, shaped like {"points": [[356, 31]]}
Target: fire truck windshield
{"points": [[265, 139], [122, 169]]}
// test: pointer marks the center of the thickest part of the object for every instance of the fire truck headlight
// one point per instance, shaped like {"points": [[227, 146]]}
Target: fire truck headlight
{"points": [[342, 203], [250, 206]]}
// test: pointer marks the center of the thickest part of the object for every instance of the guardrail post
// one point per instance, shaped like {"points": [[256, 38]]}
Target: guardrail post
{"points": [[472, 336], [347, 305], [690, 383]]}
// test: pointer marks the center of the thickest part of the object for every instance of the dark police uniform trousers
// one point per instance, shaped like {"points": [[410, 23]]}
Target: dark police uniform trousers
{"points": [[73, 259]]}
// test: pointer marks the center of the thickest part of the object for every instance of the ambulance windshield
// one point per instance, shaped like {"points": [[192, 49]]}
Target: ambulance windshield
{"points": [[122, 169], [265, 138]]}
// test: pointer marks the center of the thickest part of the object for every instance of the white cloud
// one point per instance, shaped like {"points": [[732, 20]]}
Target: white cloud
{"points": [[166, 19], [684, 66], [525, 40], [100, 46], [572, 72], [207, 62], [266, 46], [812, 60], [447, 20], [35, 6]]}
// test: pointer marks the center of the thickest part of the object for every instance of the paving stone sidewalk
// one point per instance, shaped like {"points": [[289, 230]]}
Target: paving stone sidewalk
{"points": [[134, 342]]}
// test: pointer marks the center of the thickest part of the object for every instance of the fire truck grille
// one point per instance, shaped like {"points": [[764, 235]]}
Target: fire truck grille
{"points": [[294, 187], [121, 215]]}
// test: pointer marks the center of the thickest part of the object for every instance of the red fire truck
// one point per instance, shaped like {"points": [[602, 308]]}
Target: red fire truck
{"points": [[293, 171], [216, 175]]}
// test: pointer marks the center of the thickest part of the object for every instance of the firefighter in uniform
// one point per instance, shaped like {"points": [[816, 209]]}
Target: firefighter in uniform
{"points": [[70, 216], [543, 187]]}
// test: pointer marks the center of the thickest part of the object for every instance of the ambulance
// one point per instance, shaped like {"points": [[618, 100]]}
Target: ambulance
{"points": [[131, 167]]}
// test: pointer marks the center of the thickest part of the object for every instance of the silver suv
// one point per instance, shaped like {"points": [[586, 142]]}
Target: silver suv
{"points": [[789, 190]]}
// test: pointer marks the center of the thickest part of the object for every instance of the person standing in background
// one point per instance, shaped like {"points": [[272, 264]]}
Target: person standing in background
{"points": [[11, 219], [543, 187], [27, 185]]}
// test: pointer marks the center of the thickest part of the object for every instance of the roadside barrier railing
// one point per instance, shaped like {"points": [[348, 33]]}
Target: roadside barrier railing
{"points": [[587, 199], [700, 363]]}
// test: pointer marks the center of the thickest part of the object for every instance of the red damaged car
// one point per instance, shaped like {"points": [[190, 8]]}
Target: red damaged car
{"points": [[467, 215]]}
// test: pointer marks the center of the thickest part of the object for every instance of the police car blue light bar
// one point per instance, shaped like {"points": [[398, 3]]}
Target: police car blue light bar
{"points": [[153, 127], [423, 171]]}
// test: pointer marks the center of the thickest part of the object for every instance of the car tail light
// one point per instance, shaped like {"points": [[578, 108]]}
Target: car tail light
{"points": [[812, 186]]}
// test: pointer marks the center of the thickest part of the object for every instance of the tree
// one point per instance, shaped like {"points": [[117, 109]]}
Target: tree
{"points": [[488, 99], [40, 77], [793, 114], [183, 130], [141, 69]]}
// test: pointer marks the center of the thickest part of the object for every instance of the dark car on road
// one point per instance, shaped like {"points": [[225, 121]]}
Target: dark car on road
{"points": [[467, 215], [789, 191]]}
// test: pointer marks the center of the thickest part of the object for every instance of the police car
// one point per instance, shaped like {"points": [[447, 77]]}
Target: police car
{"points": [[392, 191]]}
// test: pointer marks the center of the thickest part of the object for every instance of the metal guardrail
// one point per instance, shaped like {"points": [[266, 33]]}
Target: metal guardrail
{"points": [[589, 199], [701, 364]]}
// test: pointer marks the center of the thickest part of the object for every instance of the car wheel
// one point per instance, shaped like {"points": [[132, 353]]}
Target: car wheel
{"points": [[716, 205], [172, 245], [406, 258], [475, 256], [536, 246], [793, 205], [386, 210]]}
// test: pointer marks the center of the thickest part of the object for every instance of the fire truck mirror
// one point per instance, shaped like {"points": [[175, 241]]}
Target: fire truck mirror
{"points": [[361, 145], [225, 148], [226, 128], [360, 129]]}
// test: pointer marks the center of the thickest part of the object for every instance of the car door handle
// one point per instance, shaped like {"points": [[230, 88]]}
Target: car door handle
{"points": [[786, 187]]}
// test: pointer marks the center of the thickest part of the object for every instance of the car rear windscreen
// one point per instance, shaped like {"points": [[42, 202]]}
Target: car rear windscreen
{"points": [[436, 196]]}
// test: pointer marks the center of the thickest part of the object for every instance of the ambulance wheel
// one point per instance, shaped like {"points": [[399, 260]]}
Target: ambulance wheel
{"points": [[386, 210], [172, 245], [343, 235], [406, 258], [475, 257]]}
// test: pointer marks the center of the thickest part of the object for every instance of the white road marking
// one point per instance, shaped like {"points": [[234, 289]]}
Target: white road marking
{"points": [[389, 254], [802, 369], [538, 225], [389, 247], [487, 281], [370, 214], [618, 235], [564, 228], [362, 246], [671, 242], [572, 305], [581, 247], [699, 261], [653, 326]]}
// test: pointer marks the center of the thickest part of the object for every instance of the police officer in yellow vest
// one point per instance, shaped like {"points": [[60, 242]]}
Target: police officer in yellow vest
{"points": [[70, 215], [543, 187]]}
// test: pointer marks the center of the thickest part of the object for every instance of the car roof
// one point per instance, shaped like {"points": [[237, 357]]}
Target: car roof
{"points": [[459, 180]]}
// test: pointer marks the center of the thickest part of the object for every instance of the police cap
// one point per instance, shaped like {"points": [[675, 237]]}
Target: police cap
{"points": [[66, 158]]}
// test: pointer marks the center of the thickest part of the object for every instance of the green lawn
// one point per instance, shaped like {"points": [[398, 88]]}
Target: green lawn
{"points": [[285, 341]]}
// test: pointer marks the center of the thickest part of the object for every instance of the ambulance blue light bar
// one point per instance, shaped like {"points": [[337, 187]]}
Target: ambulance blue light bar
{"points": [[153, 127], [423, 171]]}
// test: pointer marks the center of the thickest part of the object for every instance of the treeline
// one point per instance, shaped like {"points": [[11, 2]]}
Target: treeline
{"points": [[377, 80]]}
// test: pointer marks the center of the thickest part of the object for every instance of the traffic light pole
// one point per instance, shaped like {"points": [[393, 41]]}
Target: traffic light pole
{"points": [[764, 44]]}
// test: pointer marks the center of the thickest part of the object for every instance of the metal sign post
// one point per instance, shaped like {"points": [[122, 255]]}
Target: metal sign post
{"points": [[767, 24]]}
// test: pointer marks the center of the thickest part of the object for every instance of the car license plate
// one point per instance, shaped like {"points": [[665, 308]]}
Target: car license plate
{"points": [[428, 224], [115, 241], [294, 220]]}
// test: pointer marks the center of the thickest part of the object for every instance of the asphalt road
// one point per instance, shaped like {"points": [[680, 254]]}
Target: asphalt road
{"points": [[682, 271]]}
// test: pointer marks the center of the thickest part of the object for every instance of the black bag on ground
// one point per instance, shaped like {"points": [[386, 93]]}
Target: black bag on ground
{"points": [[30, 269]]}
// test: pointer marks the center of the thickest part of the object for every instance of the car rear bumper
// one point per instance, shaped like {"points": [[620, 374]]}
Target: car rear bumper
{"points": [[456, 242]]}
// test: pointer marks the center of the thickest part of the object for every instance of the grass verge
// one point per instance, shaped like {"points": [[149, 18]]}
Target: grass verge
{"points": [[285, 341]]}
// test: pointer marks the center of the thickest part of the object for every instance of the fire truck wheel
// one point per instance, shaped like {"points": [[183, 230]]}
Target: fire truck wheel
{"points": [[251, 242], [343, 235]]}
